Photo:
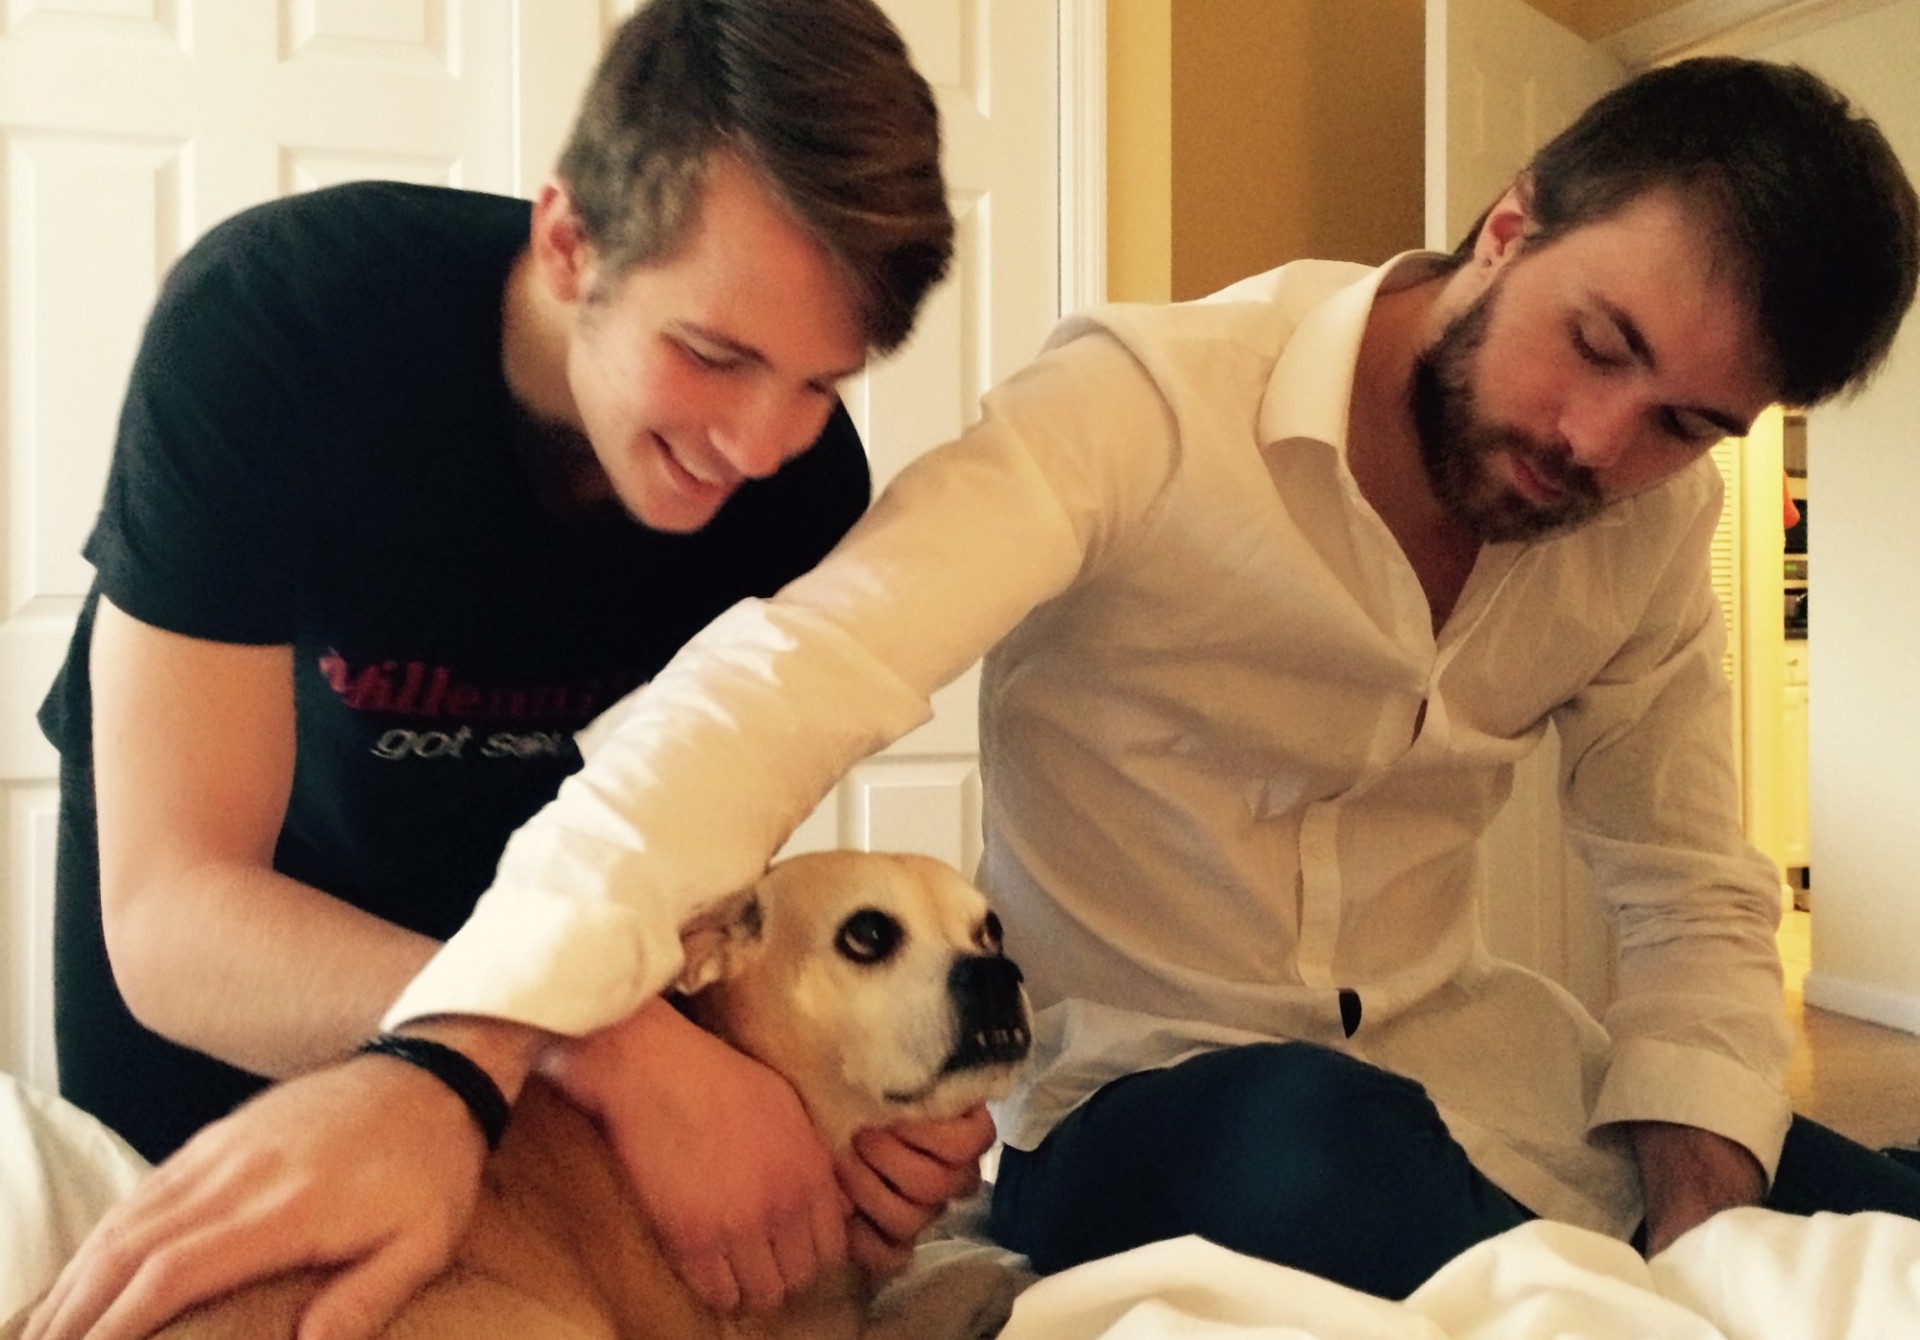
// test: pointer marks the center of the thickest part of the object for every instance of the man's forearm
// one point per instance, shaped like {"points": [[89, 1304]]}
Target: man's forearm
{"points": [[1687, 1175], [259, 970]]}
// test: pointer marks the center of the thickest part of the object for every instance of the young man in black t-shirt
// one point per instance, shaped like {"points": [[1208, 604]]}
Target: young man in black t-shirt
{"points": [[325, 459], [410, 483]]}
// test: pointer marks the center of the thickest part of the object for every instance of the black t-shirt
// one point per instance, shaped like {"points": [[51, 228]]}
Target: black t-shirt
{"points": [[318, 448]]}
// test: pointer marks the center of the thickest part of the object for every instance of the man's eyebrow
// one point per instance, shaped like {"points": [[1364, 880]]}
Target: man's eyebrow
{"points": [[1730, 424]]}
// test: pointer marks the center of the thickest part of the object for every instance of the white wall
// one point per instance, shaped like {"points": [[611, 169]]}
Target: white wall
{"points": [[1864, 692]]}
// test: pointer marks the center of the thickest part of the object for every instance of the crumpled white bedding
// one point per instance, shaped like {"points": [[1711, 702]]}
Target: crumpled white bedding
{"points": [[1744, 1275], [59, 1171]]}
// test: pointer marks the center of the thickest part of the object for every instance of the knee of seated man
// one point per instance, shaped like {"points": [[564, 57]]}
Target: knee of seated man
{"points": [[1304, 1126], [1314, 1159], [1312, 1092]]}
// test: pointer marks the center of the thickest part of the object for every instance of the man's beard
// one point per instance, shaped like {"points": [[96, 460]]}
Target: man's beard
{"points": [[1457, 446]]}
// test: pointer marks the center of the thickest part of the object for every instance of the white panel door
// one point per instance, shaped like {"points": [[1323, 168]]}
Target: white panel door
{"points": [[127, 128], [1502, 79], [993, 67]]}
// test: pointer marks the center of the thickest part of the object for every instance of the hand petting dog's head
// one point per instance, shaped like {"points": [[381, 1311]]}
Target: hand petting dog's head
{"points": [[874, 983]]}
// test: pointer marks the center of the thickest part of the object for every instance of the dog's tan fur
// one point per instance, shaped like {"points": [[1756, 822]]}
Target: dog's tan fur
{"points": [[558, 1247]]}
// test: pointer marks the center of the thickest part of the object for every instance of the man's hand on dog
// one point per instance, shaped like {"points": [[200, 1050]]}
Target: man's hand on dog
{"points": [[723, 1158], [371, 1166], [748, 1205], [900, 1179]]}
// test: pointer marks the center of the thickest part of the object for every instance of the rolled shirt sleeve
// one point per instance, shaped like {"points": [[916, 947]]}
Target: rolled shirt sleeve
{"points": [[1699, 1037]]}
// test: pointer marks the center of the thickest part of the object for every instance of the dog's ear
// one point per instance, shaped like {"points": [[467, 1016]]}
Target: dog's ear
{"points": [[717, 942]]}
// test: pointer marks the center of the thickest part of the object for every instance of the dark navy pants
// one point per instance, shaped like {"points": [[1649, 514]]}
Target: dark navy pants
{"points": [[1298, 1154]]}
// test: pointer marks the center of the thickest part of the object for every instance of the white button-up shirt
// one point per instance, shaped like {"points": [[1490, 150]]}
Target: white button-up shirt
{"points": [[1231, 771]]}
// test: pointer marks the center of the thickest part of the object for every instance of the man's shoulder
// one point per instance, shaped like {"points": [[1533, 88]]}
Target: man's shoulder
{"points": [[1257, 313], [388, 261], [357, 235], [1296, 287], [1651, 530], [1229, 338], [372, 206]]}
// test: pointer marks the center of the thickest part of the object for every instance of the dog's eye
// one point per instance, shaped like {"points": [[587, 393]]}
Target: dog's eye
{"points": [[988, 937], [868, 936]]}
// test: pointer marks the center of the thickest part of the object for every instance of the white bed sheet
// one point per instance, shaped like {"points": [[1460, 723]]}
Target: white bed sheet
{"points": [[59, 1171], [1745, 1275]]}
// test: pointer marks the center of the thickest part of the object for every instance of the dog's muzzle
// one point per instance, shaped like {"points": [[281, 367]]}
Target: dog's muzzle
{"points": [[992, 1012]]}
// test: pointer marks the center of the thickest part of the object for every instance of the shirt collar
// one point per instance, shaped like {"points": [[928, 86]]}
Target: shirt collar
{"points": [[1311, 388]]}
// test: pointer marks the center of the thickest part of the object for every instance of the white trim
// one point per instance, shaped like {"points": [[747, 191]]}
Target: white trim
{"points": [[1434, 201], [1876, 1004], [1083, 154], [1725, 27]]}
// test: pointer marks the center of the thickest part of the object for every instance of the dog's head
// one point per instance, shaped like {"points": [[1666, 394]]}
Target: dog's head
{"points": [[874, 983]]}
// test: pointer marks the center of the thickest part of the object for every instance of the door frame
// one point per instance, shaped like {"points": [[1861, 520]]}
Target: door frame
{"points": [[1083, 154]]}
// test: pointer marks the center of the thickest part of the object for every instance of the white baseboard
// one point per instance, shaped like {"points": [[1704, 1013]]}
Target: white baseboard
{"points": [[1875, 1004]]}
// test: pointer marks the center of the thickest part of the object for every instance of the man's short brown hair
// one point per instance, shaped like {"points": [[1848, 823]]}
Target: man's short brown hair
{"points": [[819, 97], [1803, 196]]}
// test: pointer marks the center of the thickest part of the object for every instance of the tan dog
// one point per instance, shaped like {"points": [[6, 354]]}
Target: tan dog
{"points": [[874, 983]]}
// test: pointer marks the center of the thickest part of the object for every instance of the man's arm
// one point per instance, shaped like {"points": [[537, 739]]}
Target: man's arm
{"points": [[1700, 1042], [193, 765], [372, 1165], [1688, 1175]]}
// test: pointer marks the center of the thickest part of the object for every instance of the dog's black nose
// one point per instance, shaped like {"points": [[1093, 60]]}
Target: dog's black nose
{"points": [[991, 1010]]}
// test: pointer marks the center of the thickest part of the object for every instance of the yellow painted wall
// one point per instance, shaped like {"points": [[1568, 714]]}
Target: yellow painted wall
{"points": [[1296, 132], [1139, 150], [1244, 133]]}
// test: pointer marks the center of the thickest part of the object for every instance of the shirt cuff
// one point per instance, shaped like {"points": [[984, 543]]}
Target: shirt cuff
{"points": [[1650, 1080], [549, 961]]}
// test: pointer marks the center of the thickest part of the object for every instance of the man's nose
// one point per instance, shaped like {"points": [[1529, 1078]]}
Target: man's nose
{"points": [[769, 428], [1600, 426]]}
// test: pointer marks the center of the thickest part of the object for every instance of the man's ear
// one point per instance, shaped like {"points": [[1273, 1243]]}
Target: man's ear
{"points": [[719, 942], [561, 251], [1505, 226]]}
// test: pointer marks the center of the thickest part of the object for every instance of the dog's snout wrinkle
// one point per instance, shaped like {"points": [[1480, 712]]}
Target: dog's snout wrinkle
{"points": [[992, 1012], [985, 977]]}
